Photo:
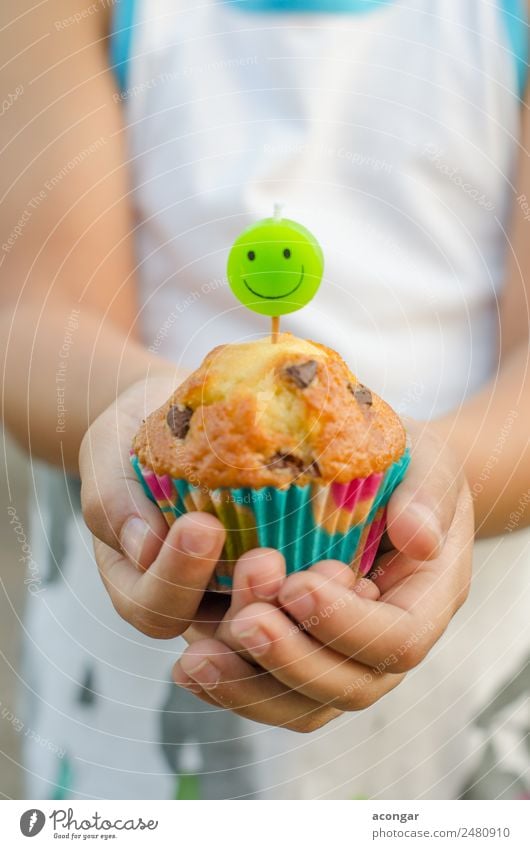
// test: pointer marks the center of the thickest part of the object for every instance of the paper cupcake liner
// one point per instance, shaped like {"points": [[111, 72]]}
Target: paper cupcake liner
{"points": [[307, 523]]}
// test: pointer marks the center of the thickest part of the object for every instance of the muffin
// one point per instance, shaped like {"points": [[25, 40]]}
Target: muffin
{"points": [[285, 446]]}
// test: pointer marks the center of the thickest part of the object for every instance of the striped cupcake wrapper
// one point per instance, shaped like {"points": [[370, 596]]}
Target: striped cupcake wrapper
{"points": [[306, 523]]}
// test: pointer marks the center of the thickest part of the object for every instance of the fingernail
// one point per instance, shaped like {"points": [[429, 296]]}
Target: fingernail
{"points": [[264, 590], [300, 603], [201, 670], [255, 640], [196, 541], [182, 680], [132, 537], [428, 521]]}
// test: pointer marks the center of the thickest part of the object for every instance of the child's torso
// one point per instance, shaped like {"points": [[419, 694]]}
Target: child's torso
{"points": [[391, 134]]}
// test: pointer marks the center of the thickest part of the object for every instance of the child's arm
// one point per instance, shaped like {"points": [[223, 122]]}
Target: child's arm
{"points": [[490, 432], [67, 296], [68, 306]]}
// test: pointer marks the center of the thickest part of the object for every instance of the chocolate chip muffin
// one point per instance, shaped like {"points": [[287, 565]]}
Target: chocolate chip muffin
{"points": [[260, 429], [257, 414]]}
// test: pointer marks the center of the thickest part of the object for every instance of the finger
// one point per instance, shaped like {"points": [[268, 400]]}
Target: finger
{"points": [[260, 573], [366, 588], [258, 576], [391, 569], [118, 513], [256, 695], [334, 570], [447, 579], [115, 506], [161, 601], [422, 507], [304, 665], [182, 680], [400, 628], [365, 630]]}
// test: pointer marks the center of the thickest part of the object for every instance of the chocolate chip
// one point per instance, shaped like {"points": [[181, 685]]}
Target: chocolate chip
{"points": [[303, 374], [361, 394], [178, 420], [286, 461], [295, 464]]}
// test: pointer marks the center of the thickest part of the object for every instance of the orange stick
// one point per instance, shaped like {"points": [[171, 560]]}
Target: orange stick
{"points": [[275, 335]]}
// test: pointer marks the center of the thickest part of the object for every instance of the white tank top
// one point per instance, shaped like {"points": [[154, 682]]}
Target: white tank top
{"points": [[391, 135]]}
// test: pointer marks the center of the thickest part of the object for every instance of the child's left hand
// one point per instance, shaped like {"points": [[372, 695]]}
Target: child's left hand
{"points": [[323, 646]]}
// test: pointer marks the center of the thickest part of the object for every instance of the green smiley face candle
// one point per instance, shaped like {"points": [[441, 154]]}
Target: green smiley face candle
{"points": [[275, 266]]}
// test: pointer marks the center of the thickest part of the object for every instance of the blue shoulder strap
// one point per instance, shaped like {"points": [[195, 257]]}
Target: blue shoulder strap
{"points": [[120, 40], [515, 15], [328, 6]]}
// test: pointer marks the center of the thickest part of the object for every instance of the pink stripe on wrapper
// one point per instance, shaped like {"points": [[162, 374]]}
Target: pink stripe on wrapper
{"points": [[346, 495], [161, 487], [166, 486], [372, 544]]}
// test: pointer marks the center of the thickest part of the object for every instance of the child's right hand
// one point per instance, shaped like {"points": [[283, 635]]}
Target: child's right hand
{"points": [[156, 576]]}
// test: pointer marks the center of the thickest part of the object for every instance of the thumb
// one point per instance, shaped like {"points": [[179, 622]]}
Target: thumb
{"points": [[422, 508], [115, 506]]}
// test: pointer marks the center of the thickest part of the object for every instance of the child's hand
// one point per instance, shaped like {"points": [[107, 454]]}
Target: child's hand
{"points": [[330, 648], [155, 576]]}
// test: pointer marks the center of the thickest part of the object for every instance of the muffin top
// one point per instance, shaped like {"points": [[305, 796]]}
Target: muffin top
{"points": [[261, 414]]}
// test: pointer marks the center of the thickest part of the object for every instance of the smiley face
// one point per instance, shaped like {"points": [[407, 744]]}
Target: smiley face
{"points": [[275, 266]]}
